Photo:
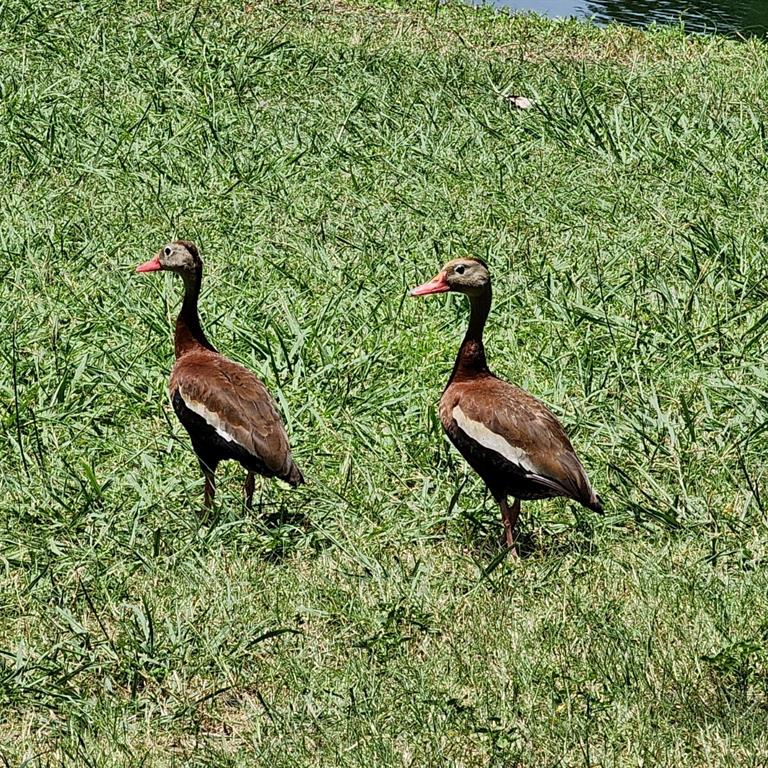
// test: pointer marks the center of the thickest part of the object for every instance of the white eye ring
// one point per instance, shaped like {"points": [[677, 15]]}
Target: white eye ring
{"points": [[167, 250]]}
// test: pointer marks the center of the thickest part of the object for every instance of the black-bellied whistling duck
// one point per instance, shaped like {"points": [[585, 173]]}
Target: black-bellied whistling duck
{"points": [[227, 411], [511, 439]]}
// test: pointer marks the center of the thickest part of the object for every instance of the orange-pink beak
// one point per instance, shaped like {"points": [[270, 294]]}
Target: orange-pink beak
{"points": [[438, 284], [150, 266]]}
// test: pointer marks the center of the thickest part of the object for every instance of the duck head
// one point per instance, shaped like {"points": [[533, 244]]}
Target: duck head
{"points": [[180, 256], [469, 276]]}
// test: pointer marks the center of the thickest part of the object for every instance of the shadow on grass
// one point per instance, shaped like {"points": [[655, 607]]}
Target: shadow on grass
{"points": [[484, 535], [276, 527]]}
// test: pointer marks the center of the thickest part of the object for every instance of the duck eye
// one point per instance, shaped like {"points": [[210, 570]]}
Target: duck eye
{"points": [[167, 250], [460, 269]]}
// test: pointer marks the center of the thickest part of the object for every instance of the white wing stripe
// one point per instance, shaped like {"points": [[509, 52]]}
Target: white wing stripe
{"points": [[210, 417], [478, 432]]}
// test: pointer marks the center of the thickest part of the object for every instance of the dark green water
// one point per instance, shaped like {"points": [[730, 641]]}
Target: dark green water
{"points": [[731, 17]]}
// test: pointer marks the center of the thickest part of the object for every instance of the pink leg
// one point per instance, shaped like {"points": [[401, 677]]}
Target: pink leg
{"points": [[210, 485], [509, 518], [210, 491], [250, 485]]}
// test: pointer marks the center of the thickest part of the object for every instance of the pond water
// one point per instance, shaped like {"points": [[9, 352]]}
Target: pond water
{"points": [[732, 17]]}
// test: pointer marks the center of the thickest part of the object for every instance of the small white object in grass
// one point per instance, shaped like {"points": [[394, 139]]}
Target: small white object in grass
{"points": [[518, 102]]}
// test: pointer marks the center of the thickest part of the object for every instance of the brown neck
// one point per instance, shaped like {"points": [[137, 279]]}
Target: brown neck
{"points": [[189, 332], [470, 361]]}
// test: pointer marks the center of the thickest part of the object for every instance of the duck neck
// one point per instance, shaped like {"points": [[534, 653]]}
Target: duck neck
{"points": [[189, 332], [470, 361]]}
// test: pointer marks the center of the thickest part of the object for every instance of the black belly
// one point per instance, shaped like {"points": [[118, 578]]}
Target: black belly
{"points": [[502, 477], [209, 445]]}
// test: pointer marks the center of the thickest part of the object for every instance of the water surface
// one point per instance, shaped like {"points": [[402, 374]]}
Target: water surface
{"points": [[746, 17]]}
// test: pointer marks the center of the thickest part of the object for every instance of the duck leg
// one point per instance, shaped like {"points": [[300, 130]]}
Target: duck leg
{"points": [[250, 485], [209, 471], [509, 518]]}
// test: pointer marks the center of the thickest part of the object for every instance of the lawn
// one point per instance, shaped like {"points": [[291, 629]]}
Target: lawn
{"points": [[326, 156]]}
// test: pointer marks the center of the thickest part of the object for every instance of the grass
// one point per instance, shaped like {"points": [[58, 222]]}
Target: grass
{"points": [[325, 156]]}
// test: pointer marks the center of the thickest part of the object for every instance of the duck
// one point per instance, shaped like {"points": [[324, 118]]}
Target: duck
{"points": [[226, 410], [511, 439]]}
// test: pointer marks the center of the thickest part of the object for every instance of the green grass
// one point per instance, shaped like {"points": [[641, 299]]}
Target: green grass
{"points": [[325, 157]]}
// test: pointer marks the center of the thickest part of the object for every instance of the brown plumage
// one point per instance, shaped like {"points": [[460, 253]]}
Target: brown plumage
{"points": [[511, 439], [226, 410]]}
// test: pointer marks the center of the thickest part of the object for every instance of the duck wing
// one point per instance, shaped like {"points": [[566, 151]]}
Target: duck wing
{"points": [[236, 404], [516, 439]]}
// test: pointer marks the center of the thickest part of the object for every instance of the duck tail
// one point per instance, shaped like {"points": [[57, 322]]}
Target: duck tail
{"points": [[294, 476], [595, 504]]}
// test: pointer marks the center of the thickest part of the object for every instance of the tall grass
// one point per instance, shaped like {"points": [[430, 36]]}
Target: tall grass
{"points": [[325, 156]]}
